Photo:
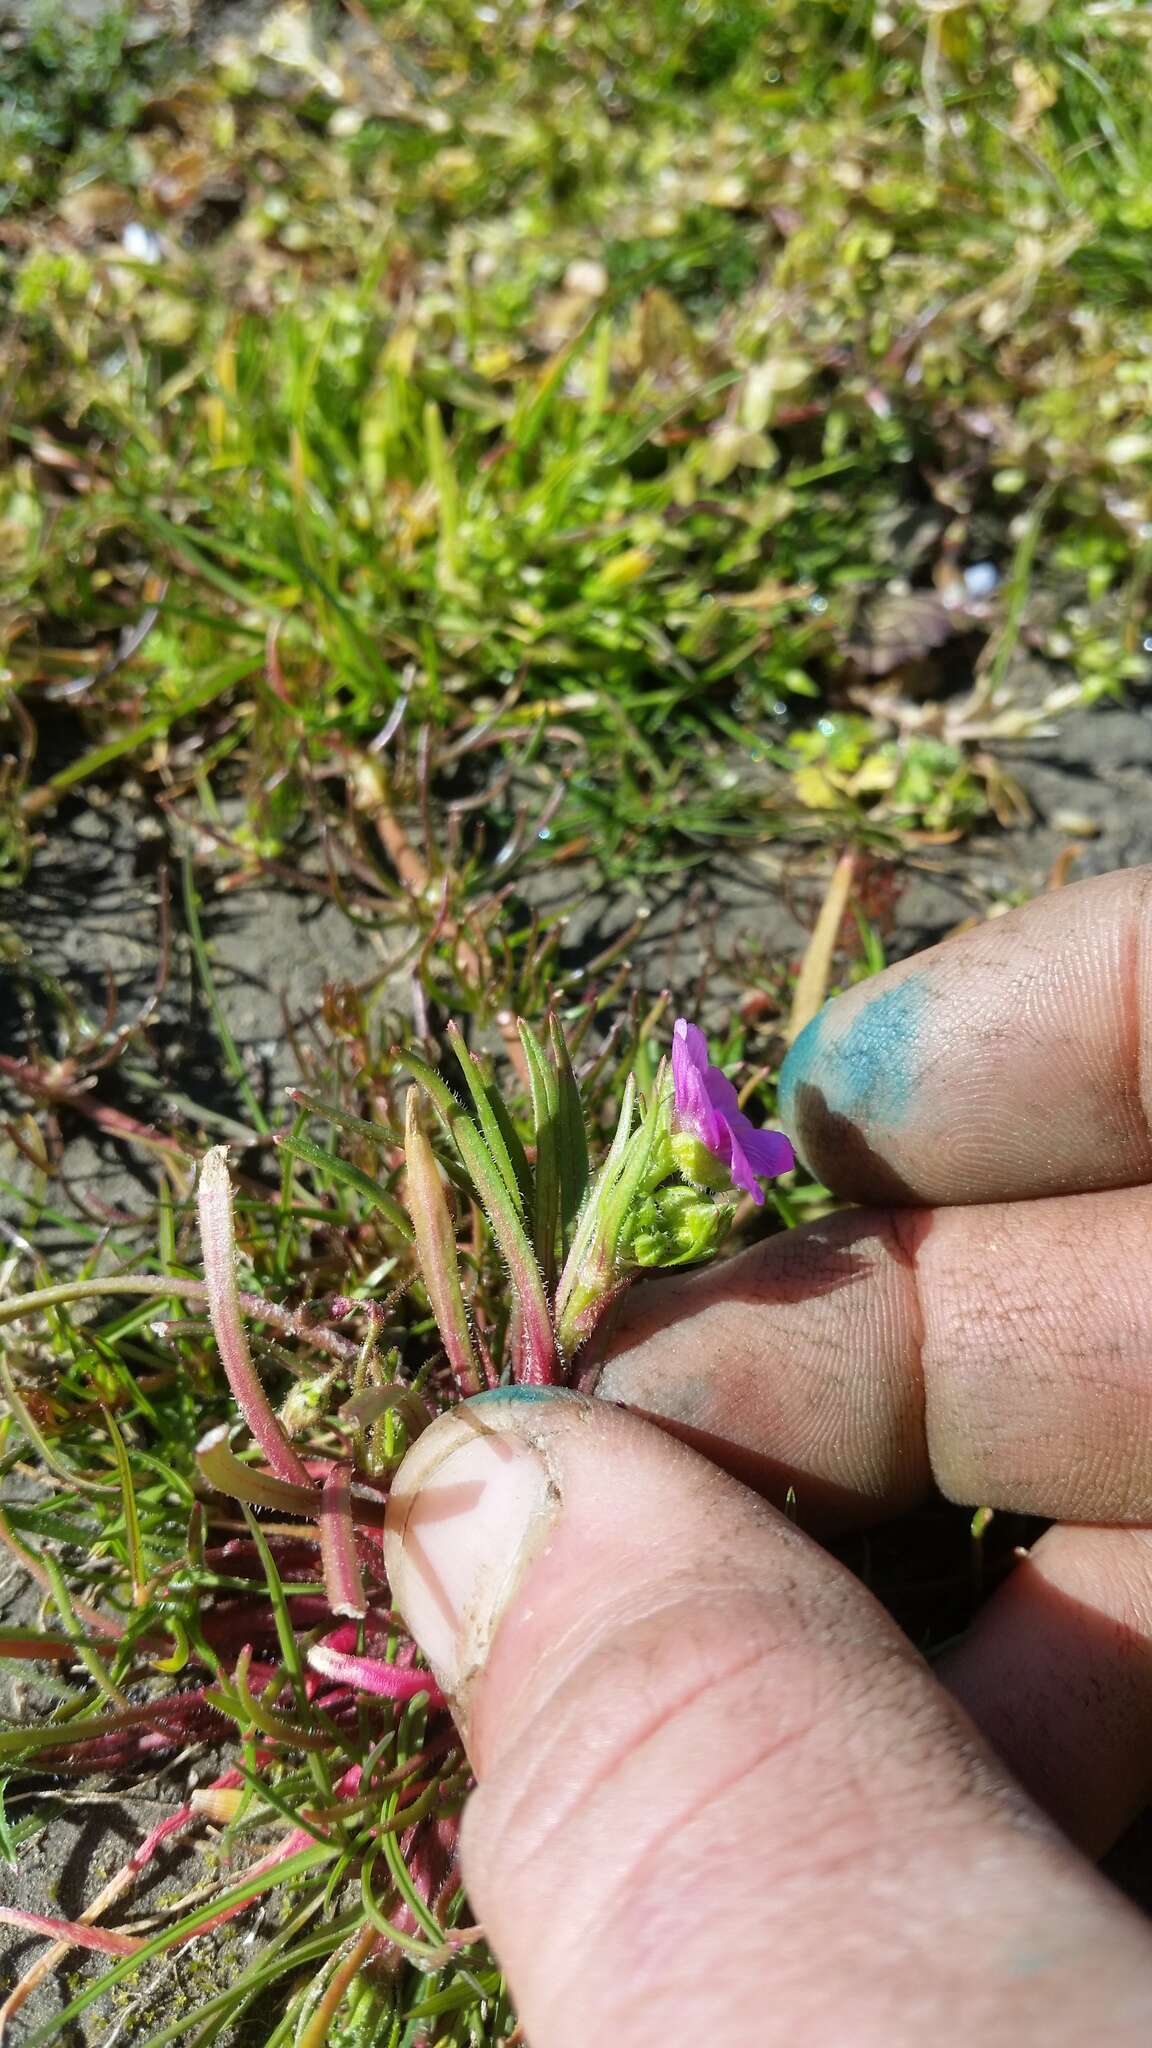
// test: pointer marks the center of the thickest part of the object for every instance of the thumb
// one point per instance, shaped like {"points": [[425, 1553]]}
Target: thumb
{"points": [[720, 1797]]}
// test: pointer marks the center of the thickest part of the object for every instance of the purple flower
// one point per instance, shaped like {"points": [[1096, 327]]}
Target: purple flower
{"points": [[707, 1112]]}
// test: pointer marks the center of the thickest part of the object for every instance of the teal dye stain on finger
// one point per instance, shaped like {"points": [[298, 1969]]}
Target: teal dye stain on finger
{"points": [[516, 1394], [803, 1061], [866, 1072]]}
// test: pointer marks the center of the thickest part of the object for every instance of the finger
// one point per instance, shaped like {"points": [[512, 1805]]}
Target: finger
{"points": [[1003, 1351], [1014, 1060], [720, 1798], [1057, 1671]]}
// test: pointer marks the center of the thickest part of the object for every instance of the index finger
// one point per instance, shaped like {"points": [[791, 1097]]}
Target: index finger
{"points": [[1014, 1060]]}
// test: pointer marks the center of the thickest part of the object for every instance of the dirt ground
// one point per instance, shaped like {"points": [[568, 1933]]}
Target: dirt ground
{"points": [[90, 914]]}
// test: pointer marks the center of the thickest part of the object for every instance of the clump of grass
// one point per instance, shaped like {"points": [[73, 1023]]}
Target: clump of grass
{"points": [[586, 385], [66, 93]]}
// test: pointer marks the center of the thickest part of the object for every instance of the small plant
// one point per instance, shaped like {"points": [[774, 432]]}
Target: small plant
{"points": [[273, 1616]]}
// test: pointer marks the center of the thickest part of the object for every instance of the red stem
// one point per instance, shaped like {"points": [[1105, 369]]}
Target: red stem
{"points": [[219, 1245]]}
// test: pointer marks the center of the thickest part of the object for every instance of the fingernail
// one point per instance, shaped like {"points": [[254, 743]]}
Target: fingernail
{"points": [[469, 1509]]}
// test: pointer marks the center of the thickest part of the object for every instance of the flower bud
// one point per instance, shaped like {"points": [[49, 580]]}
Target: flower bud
{"points": [[674, 1227], [698, 1165]]}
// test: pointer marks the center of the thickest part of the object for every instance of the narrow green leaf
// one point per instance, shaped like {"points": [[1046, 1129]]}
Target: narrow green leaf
{"points": [[132, 1539], [7, 1835], [266, 1880], [210, 687], [350, 1176], [572, 1132], [512, 1139], [228, 1474], [439, 1093], [496, 1131], [277, 1958], [289, 1649], [537, 1364], [581, 1273], [357, 1126], [545, 1090], [181, 544]]}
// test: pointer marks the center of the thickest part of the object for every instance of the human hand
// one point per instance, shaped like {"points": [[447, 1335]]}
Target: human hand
{"points": [[720, 1797]]}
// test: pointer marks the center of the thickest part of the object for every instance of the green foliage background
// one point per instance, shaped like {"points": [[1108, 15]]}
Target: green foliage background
{"points": [[572, 368]]}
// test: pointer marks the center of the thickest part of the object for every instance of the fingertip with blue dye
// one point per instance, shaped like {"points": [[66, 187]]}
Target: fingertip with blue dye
{"points": [[515, 1395], [858, 1059]]}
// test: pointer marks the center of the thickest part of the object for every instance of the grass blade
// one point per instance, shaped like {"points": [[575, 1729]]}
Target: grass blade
{"points": [[131, 1513], [349, 1176], [267, 1879]]}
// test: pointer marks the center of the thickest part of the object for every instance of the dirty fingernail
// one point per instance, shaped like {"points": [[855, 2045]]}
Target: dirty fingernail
{"points": [[469, 1508]]}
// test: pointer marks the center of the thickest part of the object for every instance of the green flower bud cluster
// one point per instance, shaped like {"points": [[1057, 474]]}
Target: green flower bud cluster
{"points": [[673, 1227]]}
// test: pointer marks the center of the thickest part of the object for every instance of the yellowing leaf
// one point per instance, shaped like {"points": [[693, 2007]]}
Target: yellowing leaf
{"points": [[624, 568], [815, 789]]}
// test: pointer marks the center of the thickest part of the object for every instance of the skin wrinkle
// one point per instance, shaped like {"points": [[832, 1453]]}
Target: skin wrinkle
{"points": [[546, 1713], [566, 1728], [804, 1857], [1001, 1350], [831, 1303], [1013, 1362], [704, 1618], [1059, 1674], [941, 1858], [576, 1637], [579, 1931], [627, 1887]]}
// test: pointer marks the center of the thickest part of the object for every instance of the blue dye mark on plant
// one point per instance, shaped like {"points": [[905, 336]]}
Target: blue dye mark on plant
{"points": [[868, 1071]]}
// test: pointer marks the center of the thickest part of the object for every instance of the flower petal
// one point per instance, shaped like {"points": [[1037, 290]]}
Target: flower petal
{"points": [[741, 1169], [689, 1055], [695, 1113], [768, 1152], [707, 1108], [721, 1093]]}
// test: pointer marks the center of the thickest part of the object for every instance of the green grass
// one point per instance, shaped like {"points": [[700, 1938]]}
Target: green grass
{"points": [[569, 379]]}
